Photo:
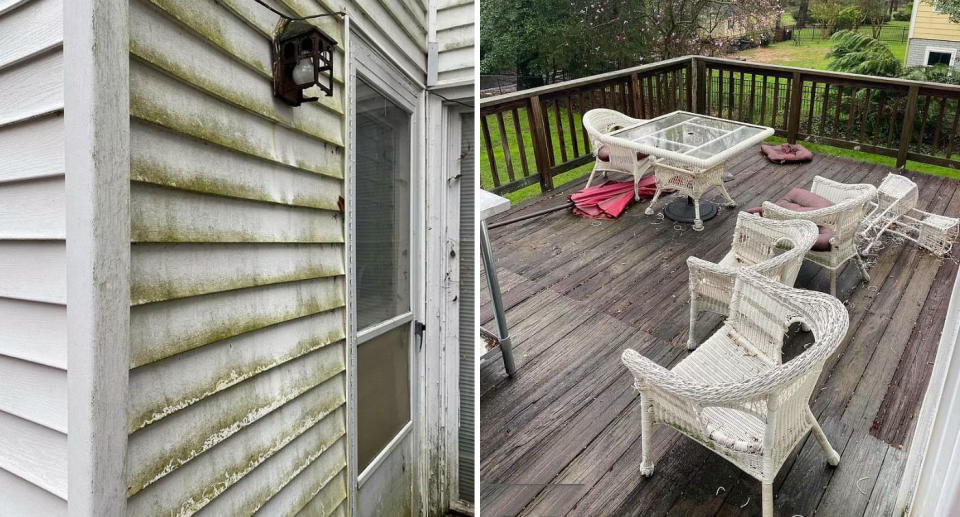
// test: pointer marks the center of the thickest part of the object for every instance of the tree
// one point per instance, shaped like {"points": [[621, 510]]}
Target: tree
{"points": [[860, 54], [826, 12], [951, 7], [876, 12]]}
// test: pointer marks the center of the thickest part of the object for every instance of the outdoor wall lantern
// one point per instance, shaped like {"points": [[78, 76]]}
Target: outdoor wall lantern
{"points": [[302, 58]]}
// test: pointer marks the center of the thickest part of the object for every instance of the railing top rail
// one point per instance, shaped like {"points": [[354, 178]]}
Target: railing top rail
{"points": [[828, 73], [779, 69], [575, 83]]}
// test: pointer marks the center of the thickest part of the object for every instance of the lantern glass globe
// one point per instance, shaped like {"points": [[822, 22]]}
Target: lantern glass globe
{"points": [[303, 72]]}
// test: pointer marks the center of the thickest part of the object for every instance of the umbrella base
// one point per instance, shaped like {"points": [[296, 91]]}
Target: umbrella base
{"points": [[683, 211]]}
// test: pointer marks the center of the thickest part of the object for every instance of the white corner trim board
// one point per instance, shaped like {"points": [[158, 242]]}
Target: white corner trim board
{"points": [[97, 157], [931, 477]]}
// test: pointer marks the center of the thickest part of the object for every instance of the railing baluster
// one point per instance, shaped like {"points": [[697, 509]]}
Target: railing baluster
{"points": [[851, 113], [560, 137], [923, 121], [545, 112], [719, 92], [730, 102], [587, 144], [867, 92], [936, 134], [635, 95], [953, 128], [824, 105], [573, 127], [836, 114], [795, 103], [505, 145], [624, 102], [776, 95], [881, 106], [894, 112], [763, 99], [523, 148], [485, 129], [813, 99]]}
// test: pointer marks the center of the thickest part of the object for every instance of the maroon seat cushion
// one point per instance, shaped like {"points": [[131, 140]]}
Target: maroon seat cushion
{"points": [[786, 153], [604, 154], [800, 200]]}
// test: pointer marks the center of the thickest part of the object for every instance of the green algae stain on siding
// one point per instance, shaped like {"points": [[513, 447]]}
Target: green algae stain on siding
{"points": [[230, 377]]}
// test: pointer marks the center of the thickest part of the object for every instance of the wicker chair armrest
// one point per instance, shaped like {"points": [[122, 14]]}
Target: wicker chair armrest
{"points": [[837, 192], [822, 216], [651, 376]]}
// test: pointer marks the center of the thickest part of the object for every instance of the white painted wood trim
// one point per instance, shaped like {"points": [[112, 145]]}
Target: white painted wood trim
{"points": [[97, 154], [938, 425], [951, 51], [385, 453]]}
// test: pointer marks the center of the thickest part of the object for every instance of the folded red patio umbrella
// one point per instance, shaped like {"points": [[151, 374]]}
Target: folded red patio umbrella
{"points": [[609, 200]]}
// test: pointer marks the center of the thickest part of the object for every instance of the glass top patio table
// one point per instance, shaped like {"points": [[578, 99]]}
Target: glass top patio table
{"points": [[696, 140]]}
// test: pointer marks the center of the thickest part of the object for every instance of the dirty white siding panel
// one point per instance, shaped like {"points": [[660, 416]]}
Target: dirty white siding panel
{"points": [[33, 377], [35, 453], [398, 28], [23, 498], [237, 391], [455, 35]]}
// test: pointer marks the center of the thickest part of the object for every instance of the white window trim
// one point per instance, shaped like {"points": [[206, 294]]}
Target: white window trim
{"points": [[951, 51]]}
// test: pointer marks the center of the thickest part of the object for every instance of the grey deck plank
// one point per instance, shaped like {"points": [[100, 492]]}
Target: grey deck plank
{"points": [[562, 438]]}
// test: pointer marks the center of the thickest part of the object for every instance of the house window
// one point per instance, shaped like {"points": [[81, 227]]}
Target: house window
{"points": [[939, 57]]}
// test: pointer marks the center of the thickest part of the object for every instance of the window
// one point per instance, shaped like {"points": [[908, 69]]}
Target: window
{"points": [[939, 57]]}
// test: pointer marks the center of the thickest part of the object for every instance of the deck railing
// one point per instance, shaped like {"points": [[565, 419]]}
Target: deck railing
{"points": [[908, 120]]}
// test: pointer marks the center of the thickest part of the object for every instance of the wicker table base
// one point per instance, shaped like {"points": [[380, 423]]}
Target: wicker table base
{"points": [[682, 210]]}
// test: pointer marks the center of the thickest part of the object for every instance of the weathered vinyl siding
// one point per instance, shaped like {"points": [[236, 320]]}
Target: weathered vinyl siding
{"points": [[932, 25], [455, 36], [397, 27], [237, 385], [33, 352]]}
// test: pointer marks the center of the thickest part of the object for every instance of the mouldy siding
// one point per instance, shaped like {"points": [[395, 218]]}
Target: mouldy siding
{"points": [[237, 382], [33, 393], [932, 25], [455, 35]]}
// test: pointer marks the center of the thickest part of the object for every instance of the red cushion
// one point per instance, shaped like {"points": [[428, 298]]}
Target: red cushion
{"points": [[786, 153], [800, 200], [604, 154]]}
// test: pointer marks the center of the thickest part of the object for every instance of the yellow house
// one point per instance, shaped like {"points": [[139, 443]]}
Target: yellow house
{"points": [[933, 38]]}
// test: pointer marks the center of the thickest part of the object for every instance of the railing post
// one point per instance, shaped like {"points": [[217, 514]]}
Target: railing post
{"points": [[541, 150], [635, 95], [793, 120], [700, 104], [906, 135]]}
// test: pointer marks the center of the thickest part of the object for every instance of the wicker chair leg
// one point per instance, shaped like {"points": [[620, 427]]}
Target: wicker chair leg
{"points": [[833, 282], [653, 202], [691, 338], [590, 179], [636, 188], [833, 457], [767, 499], [730, 202], [646, 464], [697, 223], [863, 268]]}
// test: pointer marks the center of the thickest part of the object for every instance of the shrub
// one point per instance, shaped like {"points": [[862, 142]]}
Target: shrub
{"points": [[901, 16], [859, 53]]}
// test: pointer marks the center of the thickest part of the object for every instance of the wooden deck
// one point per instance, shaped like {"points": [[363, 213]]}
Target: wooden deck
{"points": [[562, 438]]}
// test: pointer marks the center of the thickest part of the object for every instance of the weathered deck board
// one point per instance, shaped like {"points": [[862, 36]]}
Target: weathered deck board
{"points": [[562, 437]]}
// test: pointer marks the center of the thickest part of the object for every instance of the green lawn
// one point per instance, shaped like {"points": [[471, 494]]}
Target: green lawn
{"points": [[812, 53]]}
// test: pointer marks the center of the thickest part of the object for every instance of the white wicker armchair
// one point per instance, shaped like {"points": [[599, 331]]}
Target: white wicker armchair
{"points": [[599, 122], [734, 394], [772, 248], [895, 211], [850, 205]]}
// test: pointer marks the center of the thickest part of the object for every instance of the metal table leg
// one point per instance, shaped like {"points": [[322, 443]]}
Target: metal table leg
{"points": [[506, 346]]}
